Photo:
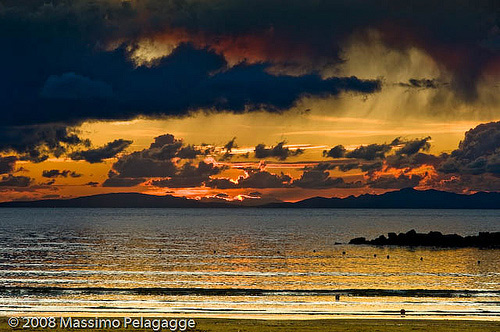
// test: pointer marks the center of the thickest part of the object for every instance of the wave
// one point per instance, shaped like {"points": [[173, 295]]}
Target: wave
{"points": [[444, 293], [240, 273]]}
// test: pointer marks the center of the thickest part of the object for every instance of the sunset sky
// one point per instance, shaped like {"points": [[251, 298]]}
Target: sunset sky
{"points": [[257, 101]]}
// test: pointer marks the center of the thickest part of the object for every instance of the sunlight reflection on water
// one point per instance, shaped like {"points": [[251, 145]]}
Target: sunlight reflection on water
{"points": [[276, 250]]}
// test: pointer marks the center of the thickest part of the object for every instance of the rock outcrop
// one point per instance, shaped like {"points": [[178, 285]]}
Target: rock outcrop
{"points": [[434, 239]]}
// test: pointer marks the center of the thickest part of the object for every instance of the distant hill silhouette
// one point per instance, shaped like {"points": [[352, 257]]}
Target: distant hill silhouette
{"points": [[402, 199], [118, 200], [408, 198]]}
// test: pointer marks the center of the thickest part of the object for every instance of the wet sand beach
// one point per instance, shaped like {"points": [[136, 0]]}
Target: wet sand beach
{"points": [[320, 325]]}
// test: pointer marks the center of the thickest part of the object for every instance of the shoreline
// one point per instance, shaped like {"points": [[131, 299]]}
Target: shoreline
{"points": [[258, 317], [323, 324]]}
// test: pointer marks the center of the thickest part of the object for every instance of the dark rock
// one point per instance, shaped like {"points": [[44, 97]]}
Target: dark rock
{"points": [[392, 236], [434, 239], [358, 240]]}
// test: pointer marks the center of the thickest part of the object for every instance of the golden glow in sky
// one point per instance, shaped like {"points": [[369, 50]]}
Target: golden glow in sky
{"points": [[195, 101]]}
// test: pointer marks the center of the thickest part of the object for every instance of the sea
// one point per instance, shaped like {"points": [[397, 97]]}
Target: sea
{"points": [[250, 262]]}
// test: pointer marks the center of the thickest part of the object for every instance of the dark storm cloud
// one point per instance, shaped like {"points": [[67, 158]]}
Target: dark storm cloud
{"points": [[14, 181], [392, 182], [97, 155], [321, 179], [335, 152], [322, 166], [310, 179], [414, 146], [374, 157], [7, 164], [188, 79], [341, 166], [121, 182], [478, 153], [409, 155], [189, 175], [164, 147], [480, 165], [255, 179], [366, 152], [58, 62], [348, 167], [474, 166], [163, 159], [69, 61], [470, 183], [188, 152], [279, 151], [378, 151], [76, 87], [49, 183], [36, 143], [415, 160], [159, 160], [251, 87], [78, 50], [479, 141], [369, 152], [372, 167], [264, 179], [230, 145], [163, 140], [221, 183], [140, 164], [422, 83], [53, 173]]}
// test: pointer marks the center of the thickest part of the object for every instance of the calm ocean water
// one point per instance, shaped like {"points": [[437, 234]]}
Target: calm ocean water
{"points": [[242, 261]]}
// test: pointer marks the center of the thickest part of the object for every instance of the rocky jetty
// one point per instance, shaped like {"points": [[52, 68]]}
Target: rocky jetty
{"points": [[434, 239]]}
